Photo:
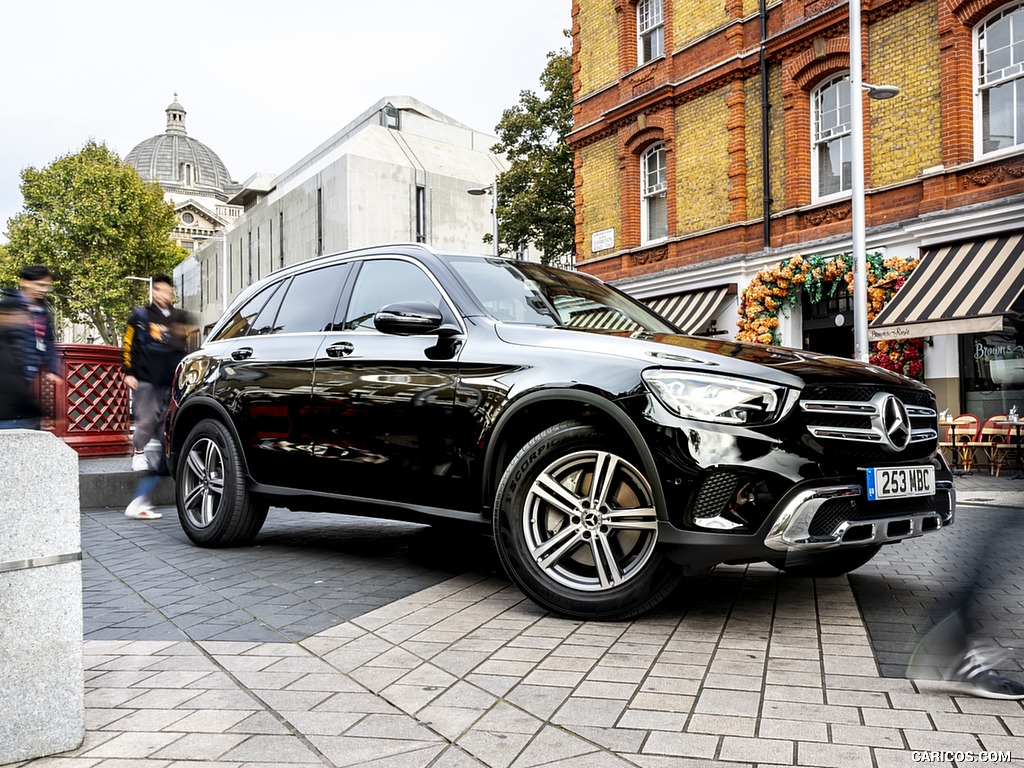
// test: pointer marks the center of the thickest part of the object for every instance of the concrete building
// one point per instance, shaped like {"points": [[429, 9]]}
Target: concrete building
{"points": [[399, 172], [713, 141]]}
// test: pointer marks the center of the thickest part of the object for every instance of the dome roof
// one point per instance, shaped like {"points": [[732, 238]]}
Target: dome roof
{"points": [[178, 162]]}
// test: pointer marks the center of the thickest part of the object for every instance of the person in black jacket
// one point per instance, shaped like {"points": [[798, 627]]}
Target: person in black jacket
{"points": [[154, 343], [18, 406], [40, 351]]}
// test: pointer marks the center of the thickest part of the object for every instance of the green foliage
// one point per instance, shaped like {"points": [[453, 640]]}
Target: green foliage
{"points": [[93, 221], [535, 194]]}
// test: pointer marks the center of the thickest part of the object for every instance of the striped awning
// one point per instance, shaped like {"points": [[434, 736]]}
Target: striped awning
{"points": [[963, 288], [693, 310], [601, 318]]}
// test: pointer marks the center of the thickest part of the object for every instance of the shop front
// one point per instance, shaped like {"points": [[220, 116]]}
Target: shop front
{"points": [[971, 292]]}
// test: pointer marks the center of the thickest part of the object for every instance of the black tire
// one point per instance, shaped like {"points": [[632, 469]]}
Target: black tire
{"points": [[214, 507], [575, 552], [823, 565]]}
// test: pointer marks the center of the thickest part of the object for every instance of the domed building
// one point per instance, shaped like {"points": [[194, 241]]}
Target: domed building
{"points": [[193, 177]]}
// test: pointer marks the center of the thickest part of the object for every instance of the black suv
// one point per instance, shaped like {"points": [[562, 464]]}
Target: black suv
{"points": [[610, 454]]}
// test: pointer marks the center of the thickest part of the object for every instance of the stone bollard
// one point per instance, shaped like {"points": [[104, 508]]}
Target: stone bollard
{"points": [[42, 685]]}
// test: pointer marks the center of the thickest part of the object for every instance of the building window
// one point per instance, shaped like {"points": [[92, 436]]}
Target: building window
{"points": [[421, 213], [389, 116], [999, 98], [319, 221], [280, 238], [186, 174], [650, 30], [653, 184], [831, 172], [187, 218]]}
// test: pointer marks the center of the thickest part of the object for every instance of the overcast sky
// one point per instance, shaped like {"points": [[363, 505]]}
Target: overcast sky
{"points": [[263, 82]]}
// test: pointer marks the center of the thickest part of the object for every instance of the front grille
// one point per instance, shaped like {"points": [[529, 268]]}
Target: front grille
{"points": [[859, 421]]}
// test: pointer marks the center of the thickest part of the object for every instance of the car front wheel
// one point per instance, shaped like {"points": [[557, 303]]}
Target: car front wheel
{"points": [[576, 527], [214, 507]]}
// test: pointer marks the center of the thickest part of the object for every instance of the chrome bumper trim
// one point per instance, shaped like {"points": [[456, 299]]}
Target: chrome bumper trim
{"points": [[791, 530]]}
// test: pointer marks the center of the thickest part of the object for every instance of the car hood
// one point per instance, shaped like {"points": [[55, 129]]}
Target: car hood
{"points": [[784, 365]]}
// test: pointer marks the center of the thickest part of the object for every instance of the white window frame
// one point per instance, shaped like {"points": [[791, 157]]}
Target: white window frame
{"points": [[650, 27], [821, 137], [1012, 73], [651, 188]]}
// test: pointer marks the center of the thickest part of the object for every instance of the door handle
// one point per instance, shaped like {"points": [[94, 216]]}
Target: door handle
{"points": [[341, 349], [242, 353]]}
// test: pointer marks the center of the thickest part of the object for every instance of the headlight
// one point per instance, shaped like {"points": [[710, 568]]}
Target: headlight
{"points": [[720, 399]]}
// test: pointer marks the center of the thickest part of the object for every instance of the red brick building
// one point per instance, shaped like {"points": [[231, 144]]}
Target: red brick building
{"points": [[712, 140]]}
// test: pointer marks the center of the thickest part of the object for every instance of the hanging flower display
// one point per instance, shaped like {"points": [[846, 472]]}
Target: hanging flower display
{"points": [[777, 289]]}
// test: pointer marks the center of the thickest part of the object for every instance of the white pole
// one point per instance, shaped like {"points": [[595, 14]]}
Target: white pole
{"points": [[494, 210], [859, 255]]}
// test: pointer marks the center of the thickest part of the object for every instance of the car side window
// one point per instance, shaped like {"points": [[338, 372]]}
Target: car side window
{"points": [[311, 300], [242, 320], [385, 281], [264, 325]]}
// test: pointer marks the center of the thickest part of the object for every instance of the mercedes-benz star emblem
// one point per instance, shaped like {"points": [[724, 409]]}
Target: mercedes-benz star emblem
{"points": [[895, 424]]}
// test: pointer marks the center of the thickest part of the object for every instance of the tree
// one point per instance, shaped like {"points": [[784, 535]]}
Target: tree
{"points": [[535, 194], [93, 221]]}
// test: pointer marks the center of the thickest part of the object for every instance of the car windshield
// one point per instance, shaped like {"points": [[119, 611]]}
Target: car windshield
{"points": [[521, 292]]}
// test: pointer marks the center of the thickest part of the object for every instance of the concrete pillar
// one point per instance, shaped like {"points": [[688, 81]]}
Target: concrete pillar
{"points": [[42, 686]]}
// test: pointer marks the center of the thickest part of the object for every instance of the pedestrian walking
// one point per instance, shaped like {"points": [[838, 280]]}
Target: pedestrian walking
{"points": [[956, 649], [154, 343], [18, 406], [36, 283]]}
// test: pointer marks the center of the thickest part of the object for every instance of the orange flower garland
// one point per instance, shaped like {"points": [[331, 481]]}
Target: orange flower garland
{"points": [[778, 288]]}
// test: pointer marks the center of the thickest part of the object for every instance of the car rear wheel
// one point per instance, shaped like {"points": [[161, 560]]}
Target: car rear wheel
{"points": [[214, 507], [576, 527], [821, 565]]}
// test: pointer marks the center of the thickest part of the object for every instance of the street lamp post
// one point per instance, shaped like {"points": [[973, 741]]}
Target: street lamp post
{"points": [[859, 254], [492, 190], [147, 280]]}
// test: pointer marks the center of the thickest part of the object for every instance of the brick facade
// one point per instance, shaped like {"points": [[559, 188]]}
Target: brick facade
{"points": [[703, 98]]}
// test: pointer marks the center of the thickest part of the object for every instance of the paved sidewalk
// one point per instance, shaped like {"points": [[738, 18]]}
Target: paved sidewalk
{"points": [[297, 652]]}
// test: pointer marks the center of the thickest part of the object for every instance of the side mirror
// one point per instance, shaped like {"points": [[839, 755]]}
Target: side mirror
{"points": [[408, 318]]}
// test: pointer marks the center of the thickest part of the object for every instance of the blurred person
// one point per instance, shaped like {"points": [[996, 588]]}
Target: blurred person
{"points": [[955, 649], [40, 339], [18, 406], [154, 343]]}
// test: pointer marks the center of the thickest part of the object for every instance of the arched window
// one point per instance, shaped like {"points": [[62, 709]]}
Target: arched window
{"points": [[650, 30], [653, 185], [186, 174], [999, 97], [830, 138]]}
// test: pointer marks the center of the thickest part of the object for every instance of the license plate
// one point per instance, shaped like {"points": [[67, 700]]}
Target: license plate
{"points": [[900, 482]]}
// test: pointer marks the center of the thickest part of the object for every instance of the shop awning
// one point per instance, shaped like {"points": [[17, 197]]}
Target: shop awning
{"points": [[693, 310], [963, 288]]}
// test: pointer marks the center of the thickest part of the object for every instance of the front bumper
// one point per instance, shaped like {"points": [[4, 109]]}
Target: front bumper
{"points": [[839, 515]]}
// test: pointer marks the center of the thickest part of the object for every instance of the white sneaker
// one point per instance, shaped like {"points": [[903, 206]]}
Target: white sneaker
{"points": [[139, 462], [139, 509]]}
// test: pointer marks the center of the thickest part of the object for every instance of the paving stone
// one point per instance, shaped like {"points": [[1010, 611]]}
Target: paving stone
{"points": [[681, 745], [582, 711], [721, 702], [833, 755], [280, 750], [761, 750]]}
